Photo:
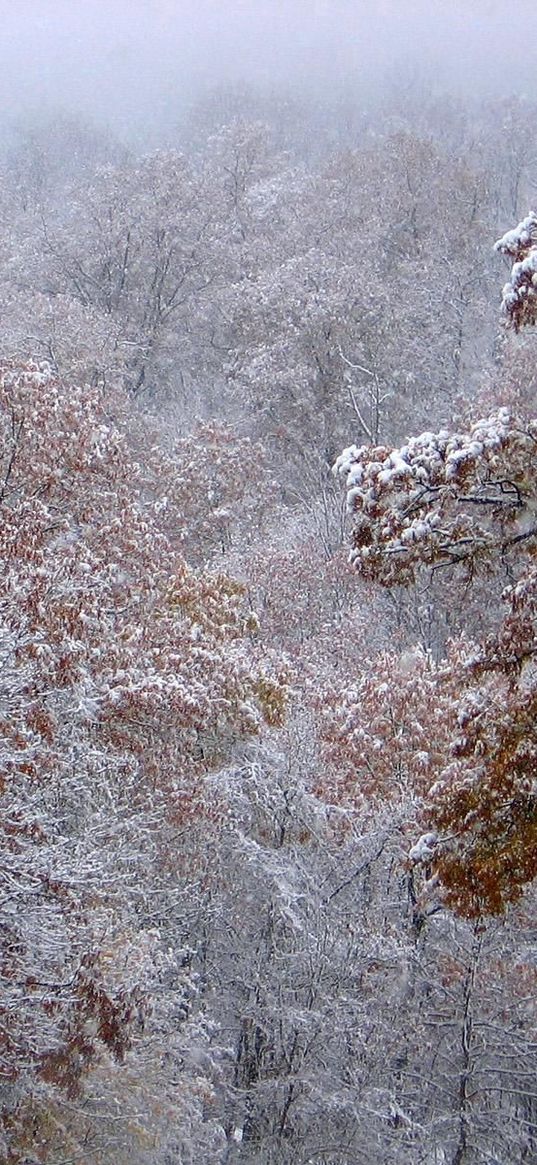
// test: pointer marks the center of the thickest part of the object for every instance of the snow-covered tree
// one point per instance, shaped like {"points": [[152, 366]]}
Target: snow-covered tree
{"points": [[519, 301], [467, 501], [125, 677]]}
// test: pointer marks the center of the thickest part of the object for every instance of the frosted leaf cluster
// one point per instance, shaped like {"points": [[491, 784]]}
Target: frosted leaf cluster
{"points": [[519, 295], [442, 497], [424, 848]]}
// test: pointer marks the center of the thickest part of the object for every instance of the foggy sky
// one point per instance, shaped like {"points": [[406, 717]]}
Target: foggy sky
{"points": [[135, 63]]}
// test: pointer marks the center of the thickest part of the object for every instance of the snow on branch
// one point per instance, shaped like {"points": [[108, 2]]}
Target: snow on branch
{"points": [[519, 295], [443, 498]]}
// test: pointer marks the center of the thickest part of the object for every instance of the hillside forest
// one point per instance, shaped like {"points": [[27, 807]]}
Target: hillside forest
{"points": [[268, 680]]}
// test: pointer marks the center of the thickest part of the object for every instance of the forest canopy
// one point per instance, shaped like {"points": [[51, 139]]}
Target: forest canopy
{"points": [[268, 809]]}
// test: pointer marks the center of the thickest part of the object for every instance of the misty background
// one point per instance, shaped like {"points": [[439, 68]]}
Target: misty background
{"points": [[137, 67]]}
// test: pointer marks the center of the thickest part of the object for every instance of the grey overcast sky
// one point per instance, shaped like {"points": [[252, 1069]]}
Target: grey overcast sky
{"points": [[136, 62]]}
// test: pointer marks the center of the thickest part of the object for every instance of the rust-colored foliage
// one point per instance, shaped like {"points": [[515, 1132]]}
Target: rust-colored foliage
{"points": [[485, 802], [466, 500], [125, 675]]}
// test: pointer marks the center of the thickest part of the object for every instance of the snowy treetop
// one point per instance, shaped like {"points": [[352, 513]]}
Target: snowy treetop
{"points": [[441, 498], [519, 295]]}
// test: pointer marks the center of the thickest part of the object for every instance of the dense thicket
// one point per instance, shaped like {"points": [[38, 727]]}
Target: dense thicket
{"points": [[269, 827]]}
